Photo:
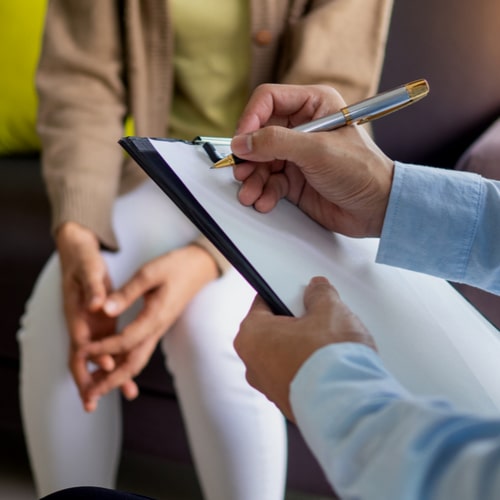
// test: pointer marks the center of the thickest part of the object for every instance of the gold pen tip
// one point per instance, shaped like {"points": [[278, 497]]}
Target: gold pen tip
{"points": [[417, 89], [228, 161]]}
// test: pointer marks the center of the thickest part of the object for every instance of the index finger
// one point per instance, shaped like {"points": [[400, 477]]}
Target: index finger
{"points": [[144, 280], [287, 105]]}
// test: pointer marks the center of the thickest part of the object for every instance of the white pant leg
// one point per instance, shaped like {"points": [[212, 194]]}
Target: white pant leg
{"points": [[68, 446], [238, 438]]}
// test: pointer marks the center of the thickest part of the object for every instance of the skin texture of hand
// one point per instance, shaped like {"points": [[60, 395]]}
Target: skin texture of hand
{"points": [[273, 348], [91, 307], [339, 178], [86, 285], [166, 285]]}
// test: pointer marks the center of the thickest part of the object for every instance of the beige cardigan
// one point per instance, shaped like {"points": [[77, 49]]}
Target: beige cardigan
{"points": [[105, 59]]}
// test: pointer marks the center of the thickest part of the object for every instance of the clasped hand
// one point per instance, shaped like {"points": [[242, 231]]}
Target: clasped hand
{"points": [[101, 358]]}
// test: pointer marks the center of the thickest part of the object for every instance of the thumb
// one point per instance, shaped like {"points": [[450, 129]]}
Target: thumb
{"points": [[319, 294], [124, 297], [334, 321], [274, 143]]}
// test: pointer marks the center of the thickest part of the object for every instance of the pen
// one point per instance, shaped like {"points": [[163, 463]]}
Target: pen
{"points": [[361, 112]]}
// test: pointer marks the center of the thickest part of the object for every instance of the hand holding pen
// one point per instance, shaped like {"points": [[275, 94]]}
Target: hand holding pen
{"points": [[342, 180], [361, 112]]}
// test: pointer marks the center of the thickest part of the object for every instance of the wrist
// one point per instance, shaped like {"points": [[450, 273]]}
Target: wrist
{"points": [[385, 178], [72, 233], [204, 262]]}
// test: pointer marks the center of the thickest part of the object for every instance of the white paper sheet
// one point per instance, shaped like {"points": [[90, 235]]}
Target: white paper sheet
{"points": [[431, 338]]}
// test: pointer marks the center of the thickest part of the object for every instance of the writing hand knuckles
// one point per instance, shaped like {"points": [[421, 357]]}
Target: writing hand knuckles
{"points": [[278, 186], [259, 177], [266, 138]]}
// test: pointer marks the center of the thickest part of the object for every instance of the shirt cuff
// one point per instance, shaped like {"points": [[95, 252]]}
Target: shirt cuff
{"points": [[431, 220]]}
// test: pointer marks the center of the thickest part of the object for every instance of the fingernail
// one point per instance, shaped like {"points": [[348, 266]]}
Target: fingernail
{"points": [[318, 280], [111, 306], [242, 144], [91, 404], [94, 301]]}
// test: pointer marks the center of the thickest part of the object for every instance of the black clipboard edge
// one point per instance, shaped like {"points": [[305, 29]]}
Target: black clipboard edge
{"points": [[145, 155]]}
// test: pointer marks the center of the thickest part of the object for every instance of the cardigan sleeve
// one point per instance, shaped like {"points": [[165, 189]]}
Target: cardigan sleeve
{"points": [[82, 108], [81, 113]]}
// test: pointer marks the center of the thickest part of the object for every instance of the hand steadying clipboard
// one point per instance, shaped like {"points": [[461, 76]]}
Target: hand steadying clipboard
{"points": [[433, 340]]}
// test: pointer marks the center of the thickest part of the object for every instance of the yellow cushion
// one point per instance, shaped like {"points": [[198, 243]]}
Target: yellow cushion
{"points": [[21, 23]]}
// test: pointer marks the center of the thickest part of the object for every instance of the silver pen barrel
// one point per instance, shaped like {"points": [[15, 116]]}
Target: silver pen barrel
{"points": [[371, 108]]}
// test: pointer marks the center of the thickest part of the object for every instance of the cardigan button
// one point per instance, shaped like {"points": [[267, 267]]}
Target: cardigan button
{"points": [[263, 38]]}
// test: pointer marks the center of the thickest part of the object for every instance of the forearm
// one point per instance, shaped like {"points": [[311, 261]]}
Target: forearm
{"points": [[81, 161], [374, 440], [219, 260], [203, 266], [443, 223]]}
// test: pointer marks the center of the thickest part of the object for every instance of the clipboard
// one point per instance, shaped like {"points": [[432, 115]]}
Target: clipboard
{"points": [[427, 334], [142, 150]]}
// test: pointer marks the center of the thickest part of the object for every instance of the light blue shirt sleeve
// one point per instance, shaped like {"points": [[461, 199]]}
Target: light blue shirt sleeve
{"points": [[376, 441], [445, 223], [372, 438]]}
